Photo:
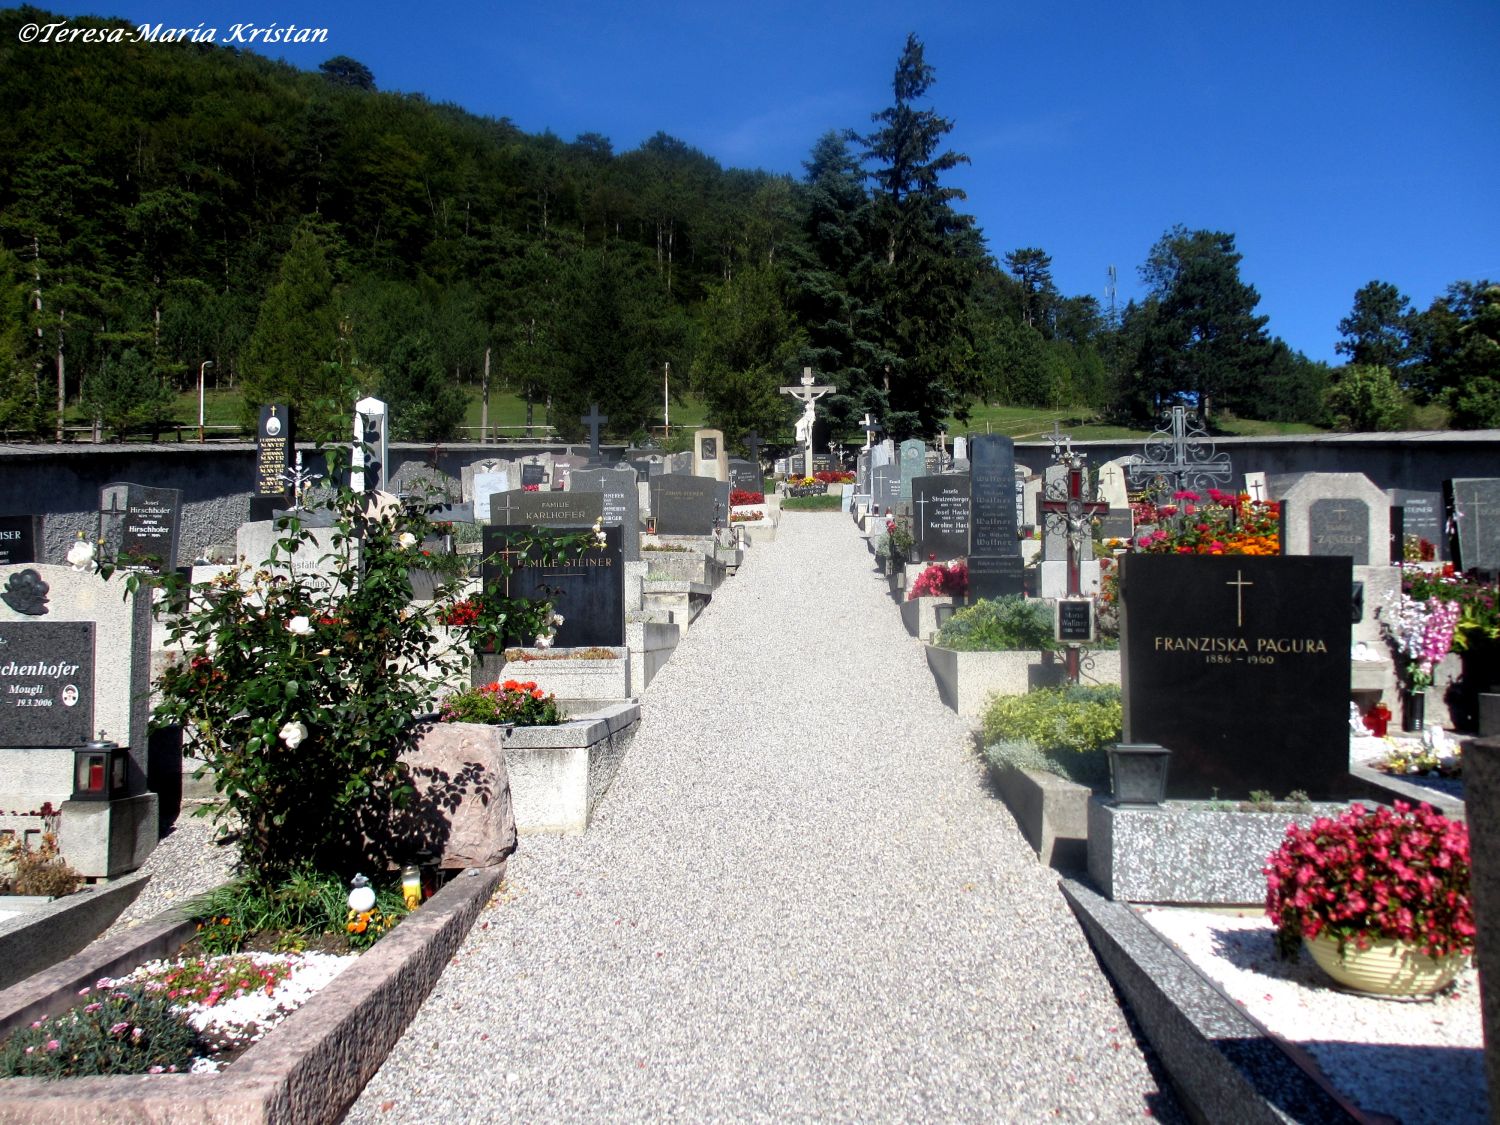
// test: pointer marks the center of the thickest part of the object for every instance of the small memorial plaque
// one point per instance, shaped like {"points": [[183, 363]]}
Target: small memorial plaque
{"points": [[1074, 621], [20, 539], [46, 684]]}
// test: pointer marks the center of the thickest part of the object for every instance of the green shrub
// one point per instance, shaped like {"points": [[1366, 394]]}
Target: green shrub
{"points": [[132, 1029], [1073, 718], [812, 504], [1084, 767], [999, 624]]}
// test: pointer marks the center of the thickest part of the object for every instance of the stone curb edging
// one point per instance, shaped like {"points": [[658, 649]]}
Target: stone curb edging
{"points": [[1223, 1066], [62, 927], [311, 1068]]}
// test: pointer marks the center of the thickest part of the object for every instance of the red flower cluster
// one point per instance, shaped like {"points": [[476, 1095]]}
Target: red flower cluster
{"points": [[460, 613], [527, 687], [741, 496], [1400, 874], [834, 477], [941, 581]]}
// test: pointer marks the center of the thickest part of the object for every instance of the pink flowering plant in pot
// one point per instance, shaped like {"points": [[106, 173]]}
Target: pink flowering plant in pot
{"points": [[1399, 874], [1420, 634], [939, 581]]}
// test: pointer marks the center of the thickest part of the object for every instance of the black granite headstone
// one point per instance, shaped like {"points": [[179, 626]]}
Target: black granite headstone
{"points": [[588, 591], [684, 505], [1239, 665], [1422, 516], [941, 526], [533, 474], [1339, 527], [745, 476], [142, 523], [20, 539], [994, 552], [1475, 507], [273, 450], [46, 684]]}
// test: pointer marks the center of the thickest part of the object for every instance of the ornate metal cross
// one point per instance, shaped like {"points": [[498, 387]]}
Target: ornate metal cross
{"points": [[1182, 454], [1075, 513]]}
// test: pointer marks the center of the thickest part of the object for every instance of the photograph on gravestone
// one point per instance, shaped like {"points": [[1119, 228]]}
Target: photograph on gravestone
{"points": [[273, 450], [683, 505], [20, 539], [1210, 640], [589, 591], [1474, 506], [1339, 527], [1422, 516], [141, 524], [941, 524], [46, 684]]}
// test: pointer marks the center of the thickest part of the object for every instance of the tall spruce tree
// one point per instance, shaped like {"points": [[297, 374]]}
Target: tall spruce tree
{"points": [[925, 256]]}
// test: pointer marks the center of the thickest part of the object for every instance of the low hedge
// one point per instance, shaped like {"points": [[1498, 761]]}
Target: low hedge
{"points": [[999, 624], [1071, 718]]}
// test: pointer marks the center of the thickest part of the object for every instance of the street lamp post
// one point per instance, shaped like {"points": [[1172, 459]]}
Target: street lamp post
{"points": [[205, 364]]}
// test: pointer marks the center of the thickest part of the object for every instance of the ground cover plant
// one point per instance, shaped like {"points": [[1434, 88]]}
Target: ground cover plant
{"points": [[999, 624], [820, 503], [1065, 731], [514, 701]]}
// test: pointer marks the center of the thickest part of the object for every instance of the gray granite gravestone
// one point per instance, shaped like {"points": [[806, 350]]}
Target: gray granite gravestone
{"points": [[20, 539], [684, 505], [941, 522], [912, 466], [1422, 516], [589, 591], [994, 551], [744, 475], [1474, 503], [548, 509], [1334, 514], [621, 503], [885, 484]]}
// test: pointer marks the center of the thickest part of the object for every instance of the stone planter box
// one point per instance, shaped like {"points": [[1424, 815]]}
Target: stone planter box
{"points": [[1051, 811], [1184, 853], [967, 680], [919, 615], [44, 931], [679, 602], [558, 774], [309, 1069], [687, 566], [758, 531], [651, 645], [591, 681]]}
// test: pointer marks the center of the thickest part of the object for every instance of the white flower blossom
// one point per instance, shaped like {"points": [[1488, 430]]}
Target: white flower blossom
{"points": [[557, 619], [407, 541], [543, 640], [292, 734], [299, 626], [80, 554]]}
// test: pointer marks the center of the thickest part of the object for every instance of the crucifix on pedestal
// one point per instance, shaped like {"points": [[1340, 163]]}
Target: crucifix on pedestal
{"points": [[807, 394], [871, 428], [1077, 514]]}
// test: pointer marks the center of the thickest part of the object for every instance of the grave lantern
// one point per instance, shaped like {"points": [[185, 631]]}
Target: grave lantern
{"points": [[100, 770]]}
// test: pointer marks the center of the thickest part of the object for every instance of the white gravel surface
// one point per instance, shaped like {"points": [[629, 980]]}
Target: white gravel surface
{"points": [[798, 901], [186, 863], [1415, 1060]]}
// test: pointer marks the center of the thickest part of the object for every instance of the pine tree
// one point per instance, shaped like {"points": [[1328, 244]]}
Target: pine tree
{"points": [[926, 256], [747, 348]]}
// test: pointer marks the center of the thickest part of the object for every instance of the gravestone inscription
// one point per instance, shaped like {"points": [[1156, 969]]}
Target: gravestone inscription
{"points": [[1270, 634], [994, 552], [684, 505], [588, 591], [46, 684], [621, 500], [1339, 527], [273, 451], [20, 539], [141, 524], [550, 509], [1422, 516], [941, 526]]}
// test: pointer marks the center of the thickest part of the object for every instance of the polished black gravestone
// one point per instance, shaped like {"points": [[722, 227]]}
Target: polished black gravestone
{"points": [[20, 539], [684, 505], [1474, 506], [745, 476], [141, 524], [533, 474], [274, 443], [46, 684], [941, 526], [1239, 665], [994, 551], [588, 591], [1422, 516]]}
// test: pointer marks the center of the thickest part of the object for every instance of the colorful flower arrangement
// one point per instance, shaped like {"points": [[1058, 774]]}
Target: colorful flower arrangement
{"points": [[1478, 602], [1420, 633], [514, 701], [745, 517], [742, 496], [834, 476], [1401, 874], [1229, 524], [941, 581]]}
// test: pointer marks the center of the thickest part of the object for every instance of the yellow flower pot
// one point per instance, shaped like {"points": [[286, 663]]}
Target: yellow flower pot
{"points": [[1390, 967]]}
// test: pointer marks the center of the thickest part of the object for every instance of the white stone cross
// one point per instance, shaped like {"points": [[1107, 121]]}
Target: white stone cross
{"points": [[807, 394]]}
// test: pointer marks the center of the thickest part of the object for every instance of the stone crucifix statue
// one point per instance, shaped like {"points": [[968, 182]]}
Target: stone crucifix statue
{"points": [[807, 394]]}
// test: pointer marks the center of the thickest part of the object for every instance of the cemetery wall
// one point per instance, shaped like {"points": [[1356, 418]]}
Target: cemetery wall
{"points": [[63, 482]]}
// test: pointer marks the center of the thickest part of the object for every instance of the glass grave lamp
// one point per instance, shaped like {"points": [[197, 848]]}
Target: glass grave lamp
{"points": [[100, 770]]}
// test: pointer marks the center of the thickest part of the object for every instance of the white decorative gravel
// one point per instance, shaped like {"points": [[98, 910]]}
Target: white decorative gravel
{"points": [[1416, 1060], [798, 901]]}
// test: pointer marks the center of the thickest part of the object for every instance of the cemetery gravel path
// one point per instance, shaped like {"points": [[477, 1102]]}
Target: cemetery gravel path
{"points": [[797, 901]]}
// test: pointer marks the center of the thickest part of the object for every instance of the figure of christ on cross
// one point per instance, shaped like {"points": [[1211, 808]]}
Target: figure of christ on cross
{"points": [[807, 394], [1077, 512]]}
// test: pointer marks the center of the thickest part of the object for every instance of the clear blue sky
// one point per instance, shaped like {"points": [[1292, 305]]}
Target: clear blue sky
{"points": [[1338, 141]]}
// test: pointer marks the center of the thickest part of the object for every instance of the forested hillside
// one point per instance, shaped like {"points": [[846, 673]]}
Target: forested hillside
{"points": [[310, 237]]}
